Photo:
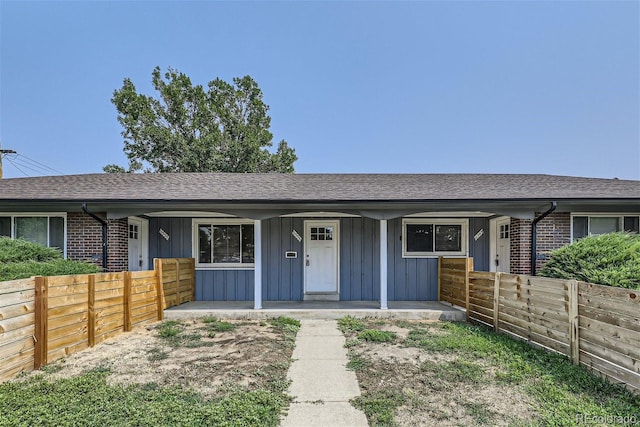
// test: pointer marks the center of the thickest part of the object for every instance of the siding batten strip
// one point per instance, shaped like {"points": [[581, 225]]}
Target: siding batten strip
{"points": [[383, 264], [257, 271]]}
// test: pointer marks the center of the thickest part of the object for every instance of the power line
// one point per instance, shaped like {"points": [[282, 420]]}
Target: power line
{"points": [[16, 166], [34, 165], [22, 162]]}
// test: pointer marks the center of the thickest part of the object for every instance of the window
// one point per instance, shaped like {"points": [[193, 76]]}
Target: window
{"points": [[586, 225], [48, 229], [224, 243], [434, 237], [133, 232], [321, 233], [504, 231]]}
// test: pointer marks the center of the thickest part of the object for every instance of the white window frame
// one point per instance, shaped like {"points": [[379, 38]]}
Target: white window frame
{"points": [[618, 215], [464, 244], [63, 215], [195, 241]]}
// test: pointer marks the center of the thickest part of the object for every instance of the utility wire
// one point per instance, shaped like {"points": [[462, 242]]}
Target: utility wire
{"points": [[22, 162], [16, 166], [35, 166]]}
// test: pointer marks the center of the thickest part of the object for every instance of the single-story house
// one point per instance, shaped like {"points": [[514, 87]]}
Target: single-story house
{"points": [[297, 237]]}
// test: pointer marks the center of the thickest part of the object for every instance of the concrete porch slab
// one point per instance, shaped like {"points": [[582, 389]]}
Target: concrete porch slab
{"points": [[400, 310]]}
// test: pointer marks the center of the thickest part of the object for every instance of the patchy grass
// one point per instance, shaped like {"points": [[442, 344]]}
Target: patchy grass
{"points": [[162, 375], [89, 400], [457, 374], [289, 327], [350, 324], [376, 335], [176, 334]]}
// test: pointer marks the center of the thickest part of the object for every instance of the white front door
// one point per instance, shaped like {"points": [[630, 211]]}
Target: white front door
{"points": [[502, 251], [138, 240], [321, 259]]}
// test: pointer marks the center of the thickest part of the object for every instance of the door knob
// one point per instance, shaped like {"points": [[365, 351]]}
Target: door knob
{"points": [[307, 262]]}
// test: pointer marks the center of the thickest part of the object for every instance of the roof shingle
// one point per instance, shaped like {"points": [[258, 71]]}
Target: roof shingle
{"points": [[312, 187]]}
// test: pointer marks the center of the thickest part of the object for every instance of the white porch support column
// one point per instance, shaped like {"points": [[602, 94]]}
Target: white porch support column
{"points": [[257, 269], [383, 264]]}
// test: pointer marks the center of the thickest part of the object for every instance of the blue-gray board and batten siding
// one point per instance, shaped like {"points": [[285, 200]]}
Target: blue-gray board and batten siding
{"points": [[409, 279]]}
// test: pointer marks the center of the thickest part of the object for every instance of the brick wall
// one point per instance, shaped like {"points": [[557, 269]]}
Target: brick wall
{"points": [[553, 232], [520, 246], [84, 240]]}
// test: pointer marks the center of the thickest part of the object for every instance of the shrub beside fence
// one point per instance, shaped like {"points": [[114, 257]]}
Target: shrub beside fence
{"points": [[593, 325], [43, 319]]}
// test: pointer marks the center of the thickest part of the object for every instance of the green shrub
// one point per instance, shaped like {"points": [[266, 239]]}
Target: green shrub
{"points": [[18, 250], [609, 259], [20, 259], [59, 267]]}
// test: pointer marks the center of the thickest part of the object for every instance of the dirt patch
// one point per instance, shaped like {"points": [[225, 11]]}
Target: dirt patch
{"points": [[246, 354], [428, 387]]}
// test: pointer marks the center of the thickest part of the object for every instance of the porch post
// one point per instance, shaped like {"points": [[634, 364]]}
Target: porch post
{"points": [[383, 264], [257, 269]]}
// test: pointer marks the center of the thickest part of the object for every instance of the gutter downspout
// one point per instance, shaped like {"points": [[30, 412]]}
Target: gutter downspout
{"points": [[104, 234], [534, 235]]}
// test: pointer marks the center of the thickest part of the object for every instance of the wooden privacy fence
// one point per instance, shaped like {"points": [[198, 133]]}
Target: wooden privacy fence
{"points": [[593, 325], [43, 319], [453, 279]]}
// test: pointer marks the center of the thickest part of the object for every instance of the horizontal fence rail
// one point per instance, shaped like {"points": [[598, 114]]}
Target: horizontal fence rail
{"points": [[43, 319], [593, 325]]}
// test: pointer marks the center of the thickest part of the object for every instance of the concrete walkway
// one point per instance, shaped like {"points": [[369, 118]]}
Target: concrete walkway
{"points": [[321, 384]]}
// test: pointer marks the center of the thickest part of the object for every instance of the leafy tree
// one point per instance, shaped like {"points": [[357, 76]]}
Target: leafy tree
{"points": [[190, 129]]}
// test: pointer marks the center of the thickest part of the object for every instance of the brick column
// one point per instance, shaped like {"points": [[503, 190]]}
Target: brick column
{"points": [[118, 242], [84, 240], [520, 246]]}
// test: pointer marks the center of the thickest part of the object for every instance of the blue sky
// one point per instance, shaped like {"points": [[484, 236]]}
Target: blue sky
{"points": [[426, 87]]}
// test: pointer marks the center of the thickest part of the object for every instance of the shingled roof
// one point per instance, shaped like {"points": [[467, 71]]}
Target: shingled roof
{"points": [[225, 187]]}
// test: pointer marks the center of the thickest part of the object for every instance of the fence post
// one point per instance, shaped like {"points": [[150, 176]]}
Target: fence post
{"points": [[439, 278], [496, 301], [574, 332], [157, 266], [92, 310], [192, 267], [127, 301], [41, 322], [177, 282]]}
